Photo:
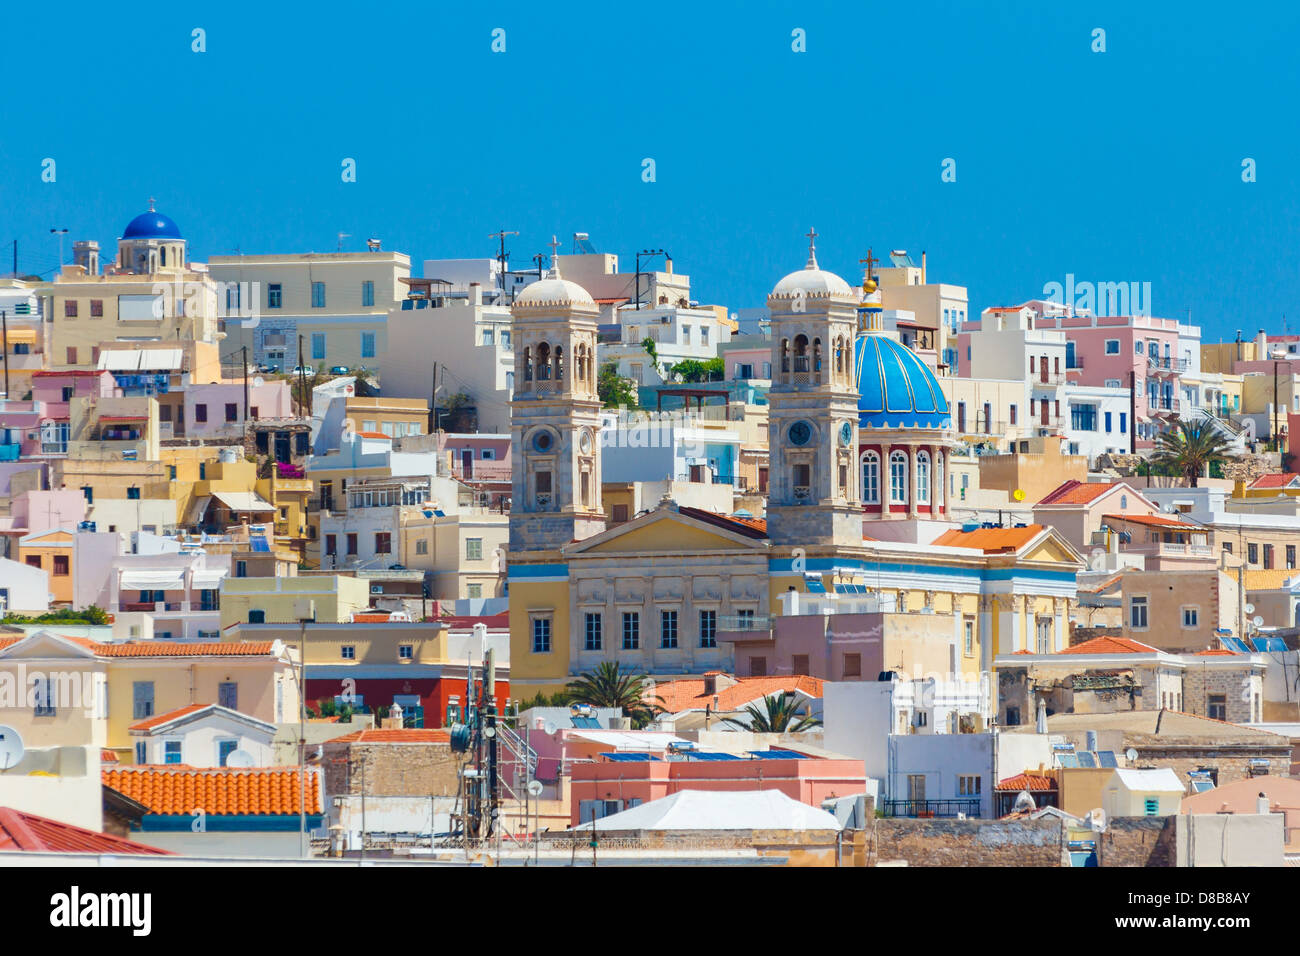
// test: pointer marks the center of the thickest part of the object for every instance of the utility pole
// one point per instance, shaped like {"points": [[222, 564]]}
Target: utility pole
{"points": [[4, 325], [303, 401], [1132, 413], [433, 401], [244, 350], [15, 258], [502, 256], [538, 259]]}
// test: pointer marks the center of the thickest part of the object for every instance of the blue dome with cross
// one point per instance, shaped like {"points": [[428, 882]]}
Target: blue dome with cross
{"points": [[152, 225], [895, 388]]}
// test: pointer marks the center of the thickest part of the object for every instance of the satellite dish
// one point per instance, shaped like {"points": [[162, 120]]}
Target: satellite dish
{"points": [[11, 748], [1248, 608], [258, 382], [1130, 755], [549, 728], [240, 758], [1025, 801], [1097, 820], [535, 788], [1257, 621], [489, 732]]}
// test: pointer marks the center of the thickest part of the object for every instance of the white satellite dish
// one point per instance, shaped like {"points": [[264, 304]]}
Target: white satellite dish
{"points": [[535, 788], [1248, 608], [1130, 755], [1025, 801], [1257, 621], [258, 382], [11, 748], [549, 728], [240, 758], [1097, 819]]}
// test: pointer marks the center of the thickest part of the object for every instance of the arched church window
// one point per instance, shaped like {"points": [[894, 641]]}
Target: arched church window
{"points": [[559, 362], [817, 355], [938, 479], [543, 363], [785, 355], [162, 255], [871, 478], [923, 477], [528, 364], [898, 478], [801, 353]]}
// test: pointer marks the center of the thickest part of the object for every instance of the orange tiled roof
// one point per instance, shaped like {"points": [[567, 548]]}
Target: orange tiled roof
{"points": [[366, 618], [990, 540], [1027, 781], [217, 791], [28, 832], [373, 435], [1218, 652], [1110, 645], [1274, 481], [1161, 521], [163, 648], [751, 527], [108, 756], [168, 717], [1075, 492], [409, 735], [689, 693]]}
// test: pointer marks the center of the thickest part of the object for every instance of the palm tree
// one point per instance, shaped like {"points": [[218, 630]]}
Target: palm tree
{"points": [[608, 686], [779, 715], [1191, 447]]}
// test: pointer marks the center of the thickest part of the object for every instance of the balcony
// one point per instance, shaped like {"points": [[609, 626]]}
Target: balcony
{"points": [[10, 452], [931, 808], [1166, 363]]}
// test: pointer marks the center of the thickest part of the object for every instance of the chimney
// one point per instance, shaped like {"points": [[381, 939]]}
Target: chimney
{"points": [[922, 267], [1261, 803], [1261, 345]]}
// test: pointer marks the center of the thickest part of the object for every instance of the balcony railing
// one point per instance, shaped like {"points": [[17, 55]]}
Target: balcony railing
{"points": [[931, 808], [10, 452], [1167, 363]]}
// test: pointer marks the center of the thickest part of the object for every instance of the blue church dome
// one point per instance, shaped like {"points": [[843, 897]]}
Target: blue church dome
{"points": [[895, 388], [152, 225]]}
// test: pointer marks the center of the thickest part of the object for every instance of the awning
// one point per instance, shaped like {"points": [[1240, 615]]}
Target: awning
{"points": [[208, 580], [200, 508], [140, 360], [21, 337], [166, 579], [243, 501]]}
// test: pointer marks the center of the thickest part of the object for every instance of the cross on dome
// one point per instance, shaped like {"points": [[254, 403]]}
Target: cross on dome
{"points": [[151, 204], [555, 265], [812, 248]]}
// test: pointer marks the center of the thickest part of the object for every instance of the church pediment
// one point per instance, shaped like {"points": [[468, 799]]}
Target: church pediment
{"points": [[669, 530]]}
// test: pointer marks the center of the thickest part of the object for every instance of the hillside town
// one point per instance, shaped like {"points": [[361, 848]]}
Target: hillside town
{"points": [[313, 557]]}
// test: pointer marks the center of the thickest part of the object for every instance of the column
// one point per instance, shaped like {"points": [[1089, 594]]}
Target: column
{"points": [[947, 479], [911, 480]]}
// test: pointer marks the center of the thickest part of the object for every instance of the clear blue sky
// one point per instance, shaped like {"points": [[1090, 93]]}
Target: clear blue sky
{"points": [[1118, 166]]}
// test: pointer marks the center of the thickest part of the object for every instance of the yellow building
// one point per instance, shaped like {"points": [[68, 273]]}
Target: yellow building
{"points": [[91, 693], [51, 551], [277, 600], [392, 417]]}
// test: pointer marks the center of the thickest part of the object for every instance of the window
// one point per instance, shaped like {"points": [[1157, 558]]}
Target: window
{"points": [[142, 699], [541, 635], [1137, 348], [367, 344], [1151, 806], [473, 549], [708, 629], [318, 295], [72, 356], [200, 413], [968, 785], [43, 696], [273, 295], [1112, 347], [1217, 707], [898, 478], [1107, 419], [422, 546], [318, 345], [352, 542], [224, 749], [923, 477], [1044, 635], [1290, 557], [592, 630], [1227, 547], [852, 665], [241, 569], [871, 478], [33, 560], [332, 544], [61, 565], [1083, 417], [631, 631], [69, 308], [383, 542], [1137, 612], [1252, 554], [405, 652], [141, 752], [367, 293], [228, 695], [668, 629], [745, 619], [348, 652], [232, 411], [1190, 616], [133, 493], [968, 627], [758, 667], [1268, 557], [474, 590], [1012, 414], [171, 751]]}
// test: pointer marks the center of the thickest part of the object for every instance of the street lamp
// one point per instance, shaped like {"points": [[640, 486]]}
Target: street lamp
{"points": [[60, 233], [647, 254], [305, 613]]}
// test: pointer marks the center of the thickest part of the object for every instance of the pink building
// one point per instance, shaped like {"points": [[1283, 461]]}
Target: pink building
{"points": [[741, 364], [216, 410]]}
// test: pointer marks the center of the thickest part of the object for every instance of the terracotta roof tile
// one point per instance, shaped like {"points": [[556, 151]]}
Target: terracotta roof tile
{"points": [[1218, 652], [1110, 645], [168, 717], [689, 693], [1274, 481], [261, 791], [1161, 521], [30, 833], [1075, 492], [1027, 781], [990, 540], [751, 527], [163, 648], [410, 735]]}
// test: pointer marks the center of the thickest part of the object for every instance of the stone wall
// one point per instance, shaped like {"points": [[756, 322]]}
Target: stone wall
{"points": [[391, 770], [1138, 841], [1232, 761], [1237, 686], [965, 842]]}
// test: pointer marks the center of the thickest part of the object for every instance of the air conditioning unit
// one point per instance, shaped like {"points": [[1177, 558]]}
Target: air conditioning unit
{"points": [[376, 589]]}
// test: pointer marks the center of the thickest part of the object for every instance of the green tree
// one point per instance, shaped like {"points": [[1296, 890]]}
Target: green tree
{"points": [[693, 370], [614, 390], [609, 686], [1189, 448], [778, 715], [652, 350]]}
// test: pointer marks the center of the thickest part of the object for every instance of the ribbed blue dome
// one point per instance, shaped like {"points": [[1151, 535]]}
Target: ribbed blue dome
{"points": [[152, 225], [895, 388]]}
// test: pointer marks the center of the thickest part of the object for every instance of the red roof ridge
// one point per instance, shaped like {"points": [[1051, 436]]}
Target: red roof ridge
{"points": [[28, 832]]}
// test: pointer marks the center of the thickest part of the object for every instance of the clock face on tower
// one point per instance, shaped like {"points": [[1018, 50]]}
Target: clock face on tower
{"points": [[584, 443], [542, 442], [846, 434], [800, 433]]}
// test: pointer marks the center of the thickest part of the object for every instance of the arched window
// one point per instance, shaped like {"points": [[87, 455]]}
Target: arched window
{"points": [[528, 364], [543, 363], [1123, 502], [559, 362], [870, 478], [801, 353], [162, 255], [817, 355], [898, 478], [938, 479], [923, 477], [785, 355]]}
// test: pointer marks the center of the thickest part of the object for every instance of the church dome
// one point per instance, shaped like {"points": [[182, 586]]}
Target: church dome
{"points": [[152, 225], [554, 291], [895, 388], [812, 281]]}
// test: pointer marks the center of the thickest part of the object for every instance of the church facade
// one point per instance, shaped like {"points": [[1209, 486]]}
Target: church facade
{"points": [[857, 518]]}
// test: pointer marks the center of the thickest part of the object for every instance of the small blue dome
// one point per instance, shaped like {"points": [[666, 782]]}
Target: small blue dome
{"points": [[895, 388], [152, 225]]}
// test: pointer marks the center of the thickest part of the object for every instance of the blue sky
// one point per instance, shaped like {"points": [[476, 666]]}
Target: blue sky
{"points": [[1115, 166]]}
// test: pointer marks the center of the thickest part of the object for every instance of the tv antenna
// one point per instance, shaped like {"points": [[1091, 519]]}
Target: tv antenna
{"points": [[502, 255], [342, 236]]}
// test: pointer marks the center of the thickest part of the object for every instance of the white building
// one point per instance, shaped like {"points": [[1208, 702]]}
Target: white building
{"points": [[1098, 420], [678, 333], [23, 589], [1142, 793], [204, 735]]}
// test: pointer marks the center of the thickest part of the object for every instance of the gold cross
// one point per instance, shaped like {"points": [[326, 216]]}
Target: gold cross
{"points": [[869, 261]]}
